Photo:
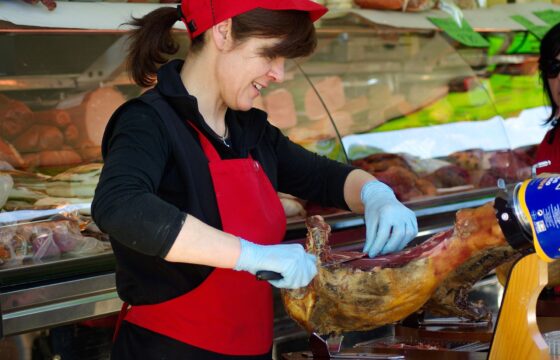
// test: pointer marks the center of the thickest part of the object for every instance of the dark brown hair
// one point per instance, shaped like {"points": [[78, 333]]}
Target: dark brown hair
{"points": [[292, 26], [549, 50], [152, 43]]}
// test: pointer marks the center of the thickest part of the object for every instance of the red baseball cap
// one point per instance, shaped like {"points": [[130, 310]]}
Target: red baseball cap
{"points": [[201, 15]]}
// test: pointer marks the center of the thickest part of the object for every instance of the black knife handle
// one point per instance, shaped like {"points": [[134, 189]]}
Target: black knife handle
{"points": [[268, 275]]}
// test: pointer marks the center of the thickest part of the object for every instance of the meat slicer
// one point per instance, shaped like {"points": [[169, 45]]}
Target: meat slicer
{"points": [[529, 217]]}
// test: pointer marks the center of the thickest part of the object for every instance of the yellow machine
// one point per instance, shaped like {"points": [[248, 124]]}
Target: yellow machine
{"points": [[530, 221]]}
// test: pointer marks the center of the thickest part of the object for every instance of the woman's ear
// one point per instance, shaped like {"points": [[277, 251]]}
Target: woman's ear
{"points": [[221, 33]]}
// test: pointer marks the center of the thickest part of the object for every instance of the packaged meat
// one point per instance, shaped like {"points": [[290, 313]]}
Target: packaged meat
{"points": [[424, 166], [472, 159], [405, 183], [79, 181], [281, 109], [31, 236], [49, 202], [395, 171], [39, 138], [88, 173], [54, 117], [92, 115], [89, 151], [14, 117], [449, 176], [331, 90], [52, 158], [324, 126], [69, 189], [71, 135], [381, 162], [42, 243], [14, 247], [9, 154], [89, 245]]}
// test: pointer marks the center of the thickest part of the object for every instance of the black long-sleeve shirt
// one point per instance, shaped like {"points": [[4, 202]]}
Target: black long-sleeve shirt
{"points": [[155, 173]]}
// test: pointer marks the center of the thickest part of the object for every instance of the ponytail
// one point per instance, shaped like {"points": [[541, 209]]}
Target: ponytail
{"points": [[151, 42]]}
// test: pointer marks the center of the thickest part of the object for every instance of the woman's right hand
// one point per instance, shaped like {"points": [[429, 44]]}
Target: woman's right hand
{"points": [[297, 267]]}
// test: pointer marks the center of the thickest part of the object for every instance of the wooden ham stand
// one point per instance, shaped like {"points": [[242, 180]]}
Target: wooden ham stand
{"points": [[516, 335]]}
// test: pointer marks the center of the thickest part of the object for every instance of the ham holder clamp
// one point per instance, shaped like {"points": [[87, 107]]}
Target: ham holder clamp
{"points": [[529, 219]]}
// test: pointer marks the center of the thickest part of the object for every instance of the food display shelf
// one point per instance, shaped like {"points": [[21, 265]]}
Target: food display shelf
{"points": [[44, 305], [43, 295]]}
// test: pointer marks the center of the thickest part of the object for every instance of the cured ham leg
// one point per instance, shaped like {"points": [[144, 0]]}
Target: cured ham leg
{"points": [[367, 293], [451, 296]]}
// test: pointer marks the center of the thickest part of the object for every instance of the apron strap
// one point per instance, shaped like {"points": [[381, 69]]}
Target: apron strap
{"points": [[209, 150], [122, 314]]}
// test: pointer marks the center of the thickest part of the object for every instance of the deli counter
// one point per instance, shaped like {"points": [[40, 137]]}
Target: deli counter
{"points": [[438, 121]]}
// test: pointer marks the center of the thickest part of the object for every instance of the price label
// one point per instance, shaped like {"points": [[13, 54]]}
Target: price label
{"points": [[537, 30], [463, 34], [551, 17]]}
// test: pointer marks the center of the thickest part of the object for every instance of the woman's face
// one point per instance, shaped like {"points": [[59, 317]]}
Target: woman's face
{"points": [[243, 72], [554, 82]]}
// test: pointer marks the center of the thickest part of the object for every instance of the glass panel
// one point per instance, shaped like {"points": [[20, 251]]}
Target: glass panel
{"points": [[56, 96], [299, 108], [420, 112]]}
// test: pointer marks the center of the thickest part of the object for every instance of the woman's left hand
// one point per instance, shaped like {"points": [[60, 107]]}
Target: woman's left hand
{"points": [[389, 224]]}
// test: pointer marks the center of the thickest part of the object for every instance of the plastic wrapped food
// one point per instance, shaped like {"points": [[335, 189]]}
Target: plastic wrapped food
{"points": [[42, 243], [45, 238]]}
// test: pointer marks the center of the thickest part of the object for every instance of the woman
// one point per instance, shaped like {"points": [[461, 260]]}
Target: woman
{"points": [[549, 66], [188, 192]]}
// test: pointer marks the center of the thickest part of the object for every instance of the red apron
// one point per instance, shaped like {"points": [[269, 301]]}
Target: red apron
{"points": [[230, 312]]}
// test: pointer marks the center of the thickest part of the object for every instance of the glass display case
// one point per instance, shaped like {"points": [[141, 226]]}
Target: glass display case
{"points": [[427, 116], [438, 122]]}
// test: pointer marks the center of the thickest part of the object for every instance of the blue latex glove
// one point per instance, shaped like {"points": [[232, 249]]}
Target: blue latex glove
{"points": [[296, 266], [389, 224]]}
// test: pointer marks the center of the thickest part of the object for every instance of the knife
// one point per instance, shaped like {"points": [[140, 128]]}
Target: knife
{"points": [[268, 275], [273, 275]]}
